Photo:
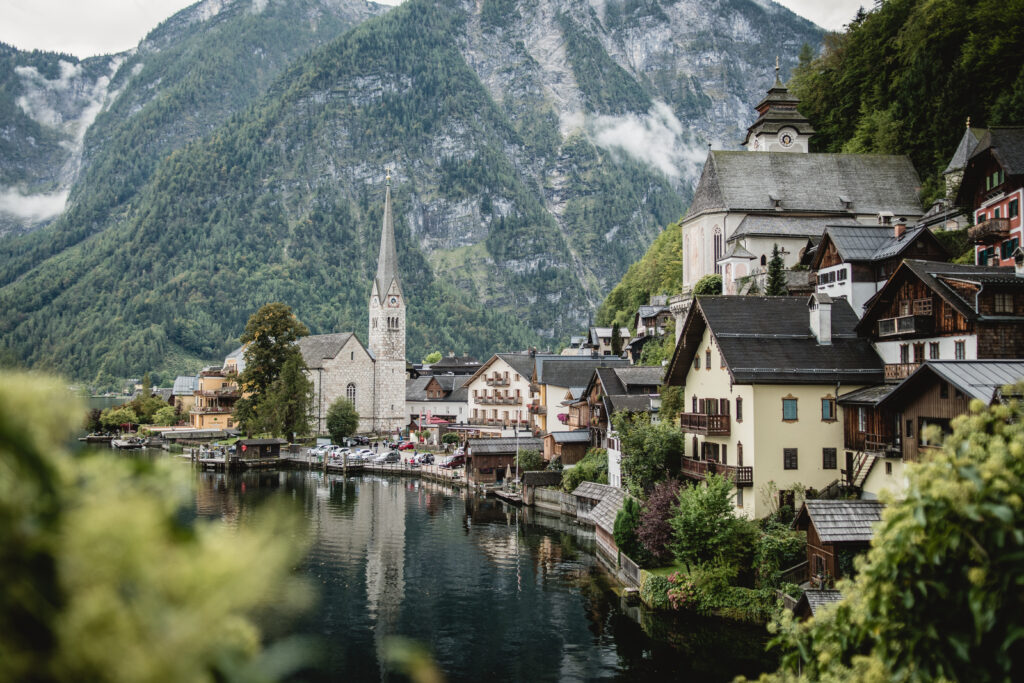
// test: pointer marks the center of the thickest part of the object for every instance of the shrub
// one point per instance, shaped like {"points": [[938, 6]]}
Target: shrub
{"points": [[593, 467], [654, 531], [709, 284], [654, 592], [626, 522], [704, 528]]}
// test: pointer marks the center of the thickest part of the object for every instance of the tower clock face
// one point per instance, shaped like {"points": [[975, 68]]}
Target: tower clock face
{"points": [[393, 301], [786, 137]]}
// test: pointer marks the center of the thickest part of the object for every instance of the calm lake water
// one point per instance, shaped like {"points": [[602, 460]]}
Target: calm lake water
{"points": [[491, 591]]}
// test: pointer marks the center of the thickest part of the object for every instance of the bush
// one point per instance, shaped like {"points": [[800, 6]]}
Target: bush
{"points": [[708, 285], [531, 461], [450, 437], [626, 522], [778, 547], [593, 467], [654, 592], [704, 528], [654, 531]]}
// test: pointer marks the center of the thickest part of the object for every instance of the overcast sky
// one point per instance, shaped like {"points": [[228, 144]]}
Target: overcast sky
{"points": [[91, 27]]}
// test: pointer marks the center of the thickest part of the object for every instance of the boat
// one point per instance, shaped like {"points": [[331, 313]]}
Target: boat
{"points": [[130, 442], [96, 438]]}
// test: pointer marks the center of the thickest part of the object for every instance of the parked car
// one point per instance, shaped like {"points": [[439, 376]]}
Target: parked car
{"points": [[453, 461], [389, 457], [407, 446], [425, 458]]}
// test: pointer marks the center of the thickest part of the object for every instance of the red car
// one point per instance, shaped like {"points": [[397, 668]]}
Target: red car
{"points": [[453, 461], [407, 446]]}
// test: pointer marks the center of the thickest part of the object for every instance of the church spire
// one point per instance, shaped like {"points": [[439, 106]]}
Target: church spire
{"points": [[387, 260]]}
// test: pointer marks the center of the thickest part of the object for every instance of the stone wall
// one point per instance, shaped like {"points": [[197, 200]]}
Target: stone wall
{"points": [[352, 365]]}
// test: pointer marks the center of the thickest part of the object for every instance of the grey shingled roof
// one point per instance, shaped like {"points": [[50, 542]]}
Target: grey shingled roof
{"points": [[736, 250], [592, 490], [185, 385], [872, 395], [785, 226], [542, 478], [520, 362], [980, 379], [841, 521], [575, 436], [745, 181], [604, 513], [1007, 146], [630, 403], [816, 598], [316, 348], [569, 371], [768, 340], [504, 445], [416, 389], [964, 150], [640, 376], [387, 258], [651, 311]]}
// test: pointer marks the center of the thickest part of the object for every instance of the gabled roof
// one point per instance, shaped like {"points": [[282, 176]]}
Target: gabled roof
{"points": [[759, 225], [185, 385], [575, 436], [316, 348], [504, 445], [746, 181], [737, 251], [610, 502], [980, 379], [768, 340], [651, 311], [629, 403], [939, 277], [840, 521], [573, 371], [868, 396], [416, 388], [816, 598], [865, 243], [1007, 146], [522, 363], [452, 363]]}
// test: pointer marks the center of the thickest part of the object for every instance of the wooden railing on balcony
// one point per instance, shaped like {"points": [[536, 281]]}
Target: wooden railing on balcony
{"points": [[708, 425], [906, 324], [497, 400], [537, 409], [895, 372], [879, 443], [210, 409], [700, 469], [992, 230]]}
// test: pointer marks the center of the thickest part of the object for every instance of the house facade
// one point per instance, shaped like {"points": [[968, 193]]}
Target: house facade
{"points": [[339, 366], [556, 376], [761, 376], [992, 188], [436, 397], [499, 393], [488, 460], [214, 399]]}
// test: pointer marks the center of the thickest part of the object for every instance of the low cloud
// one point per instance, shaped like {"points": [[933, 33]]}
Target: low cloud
{"points": [[33, 208]]}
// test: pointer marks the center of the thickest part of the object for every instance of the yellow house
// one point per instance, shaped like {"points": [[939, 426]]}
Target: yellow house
{"points": [[215, 398], [761, 376]]}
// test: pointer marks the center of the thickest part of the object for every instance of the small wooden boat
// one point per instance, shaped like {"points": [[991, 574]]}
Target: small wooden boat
{"points": [[96, 438], [130, 442]]}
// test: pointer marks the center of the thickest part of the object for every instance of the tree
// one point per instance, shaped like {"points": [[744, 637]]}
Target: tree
{"points": [[937, 597], [270, 336], [166, 416], [147, 387], [708, 285], [286, 406], [593, 467], [654, 530], [531, 460], [342, 419], [451, 437], [113, 418], [616, 340], [92, 420], [103, 577], [704, 527], [673, 402], [776, 284], [626, 522], [432, 357], [651, 453]]}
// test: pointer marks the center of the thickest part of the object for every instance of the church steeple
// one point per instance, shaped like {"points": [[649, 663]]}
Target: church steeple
{"points": [[387, 259], [779, 127]]}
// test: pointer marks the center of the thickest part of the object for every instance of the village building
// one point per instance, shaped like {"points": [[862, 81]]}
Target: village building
{"points": [[760, 377], [340, 367], [183, 392], [488, 460], [214, 399], [886, 426], [778, 193], [943, 311], [553, 378], [837, 531], [453, 365], [567, 447], [499, 393], [855, 262], [992, 188], [434, 400], [600, 340], [255, 449]]}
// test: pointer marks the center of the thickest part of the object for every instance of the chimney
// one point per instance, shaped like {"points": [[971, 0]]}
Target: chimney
{"points": [[820, 307], [899, 227]]}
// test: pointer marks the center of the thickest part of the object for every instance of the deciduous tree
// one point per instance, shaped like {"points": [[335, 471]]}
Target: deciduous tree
{"points": [[342, 419], [704, 528], [651, 452]]}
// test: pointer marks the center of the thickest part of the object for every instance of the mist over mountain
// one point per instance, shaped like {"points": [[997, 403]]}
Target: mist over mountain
{"points": [[537, 149]]}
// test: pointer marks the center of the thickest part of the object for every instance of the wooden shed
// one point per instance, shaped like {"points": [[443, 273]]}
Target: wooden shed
{"points": [[254, 449], [837, 531], [569, 447]]}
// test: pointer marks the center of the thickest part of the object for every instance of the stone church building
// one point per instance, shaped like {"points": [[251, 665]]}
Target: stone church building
{"points": [[372, 378]]}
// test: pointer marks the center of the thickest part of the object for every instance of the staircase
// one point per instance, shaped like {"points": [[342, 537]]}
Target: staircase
{"points": [[862, 468]]}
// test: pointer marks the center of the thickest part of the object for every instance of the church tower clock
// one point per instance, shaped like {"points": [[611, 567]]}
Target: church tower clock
{"points": [[387, 330]]}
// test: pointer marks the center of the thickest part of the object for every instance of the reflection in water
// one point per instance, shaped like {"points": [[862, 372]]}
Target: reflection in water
{"points": [[492, 591]]}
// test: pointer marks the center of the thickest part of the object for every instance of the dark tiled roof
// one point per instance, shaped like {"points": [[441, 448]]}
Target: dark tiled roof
{"points": [[871, 396], [964, 150], [316, 348], [650, 311], [815, 598], [416, 389], [1007, 145], [262, 442], [542, 478], [569, 371], [746, 181], [455, 363], [575, 436], [610, 381], [785, 226], [980, 379], [640, 376], [520, 362], [841, 521], [504, 445], [630, 403], [867, 243], [768, 340], [592, 490]]}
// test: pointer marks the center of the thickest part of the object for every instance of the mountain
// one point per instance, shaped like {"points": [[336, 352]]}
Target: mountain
{"points": [[537, 148]]}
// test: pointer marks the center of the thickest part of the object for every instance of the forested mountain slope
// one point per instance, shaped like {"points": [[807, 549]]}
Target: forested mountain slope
{"points": [[537, 147]]}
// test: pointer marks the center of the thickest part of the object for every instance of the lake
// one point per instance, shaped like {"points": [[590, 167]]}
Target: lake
{"points": [[491, 591]]}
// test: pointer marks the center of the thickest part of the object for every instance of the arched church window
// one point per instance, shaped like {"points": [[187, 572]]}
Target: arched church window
{"points": [[718, 249], [764, 260], [350, 392]]}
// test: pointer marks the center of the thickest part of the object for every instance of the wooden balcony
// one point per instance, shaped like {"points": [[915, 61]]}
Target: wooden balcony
{"points": [[879, 443], [218, 393], [537, 409], [992, 230], [897, 372], [706, 425], [497, 400], [700, 469], [906, 324]]}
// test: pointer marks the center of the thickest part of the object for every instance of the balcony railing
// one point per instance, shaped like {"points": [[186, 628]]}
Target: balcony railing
{"points": [[493, 422], [537, 409], [879, 443], [895, 372], [497, 381], [700, 469], [219, 393], [210, 409], [708, 425], [497, 400], [905, 324], [992, 230]]}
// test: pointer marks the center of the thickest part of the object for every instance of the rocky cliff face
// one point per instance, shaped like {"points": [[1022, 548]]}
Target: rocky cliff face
{"points": [[537, 148]]}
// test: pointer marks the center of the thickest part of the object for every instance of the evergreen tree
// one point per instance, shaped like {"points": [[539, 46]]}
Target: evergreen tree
{"points": [[147, 386], [342, 419], [285, 408], [616, 340], [776, 285]]}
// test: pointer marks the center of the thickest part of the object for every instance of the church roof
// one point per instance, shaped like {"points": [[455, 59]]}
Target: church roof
{"points": [[387, 260], [964, 150], [316, 348], [778, 109], [836, 184]]}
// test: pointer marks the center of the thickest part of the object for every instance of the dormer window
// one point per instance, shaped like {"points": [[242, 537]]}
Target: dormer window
{"points": [[885, 217], [845, 202], [776, 202]]}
